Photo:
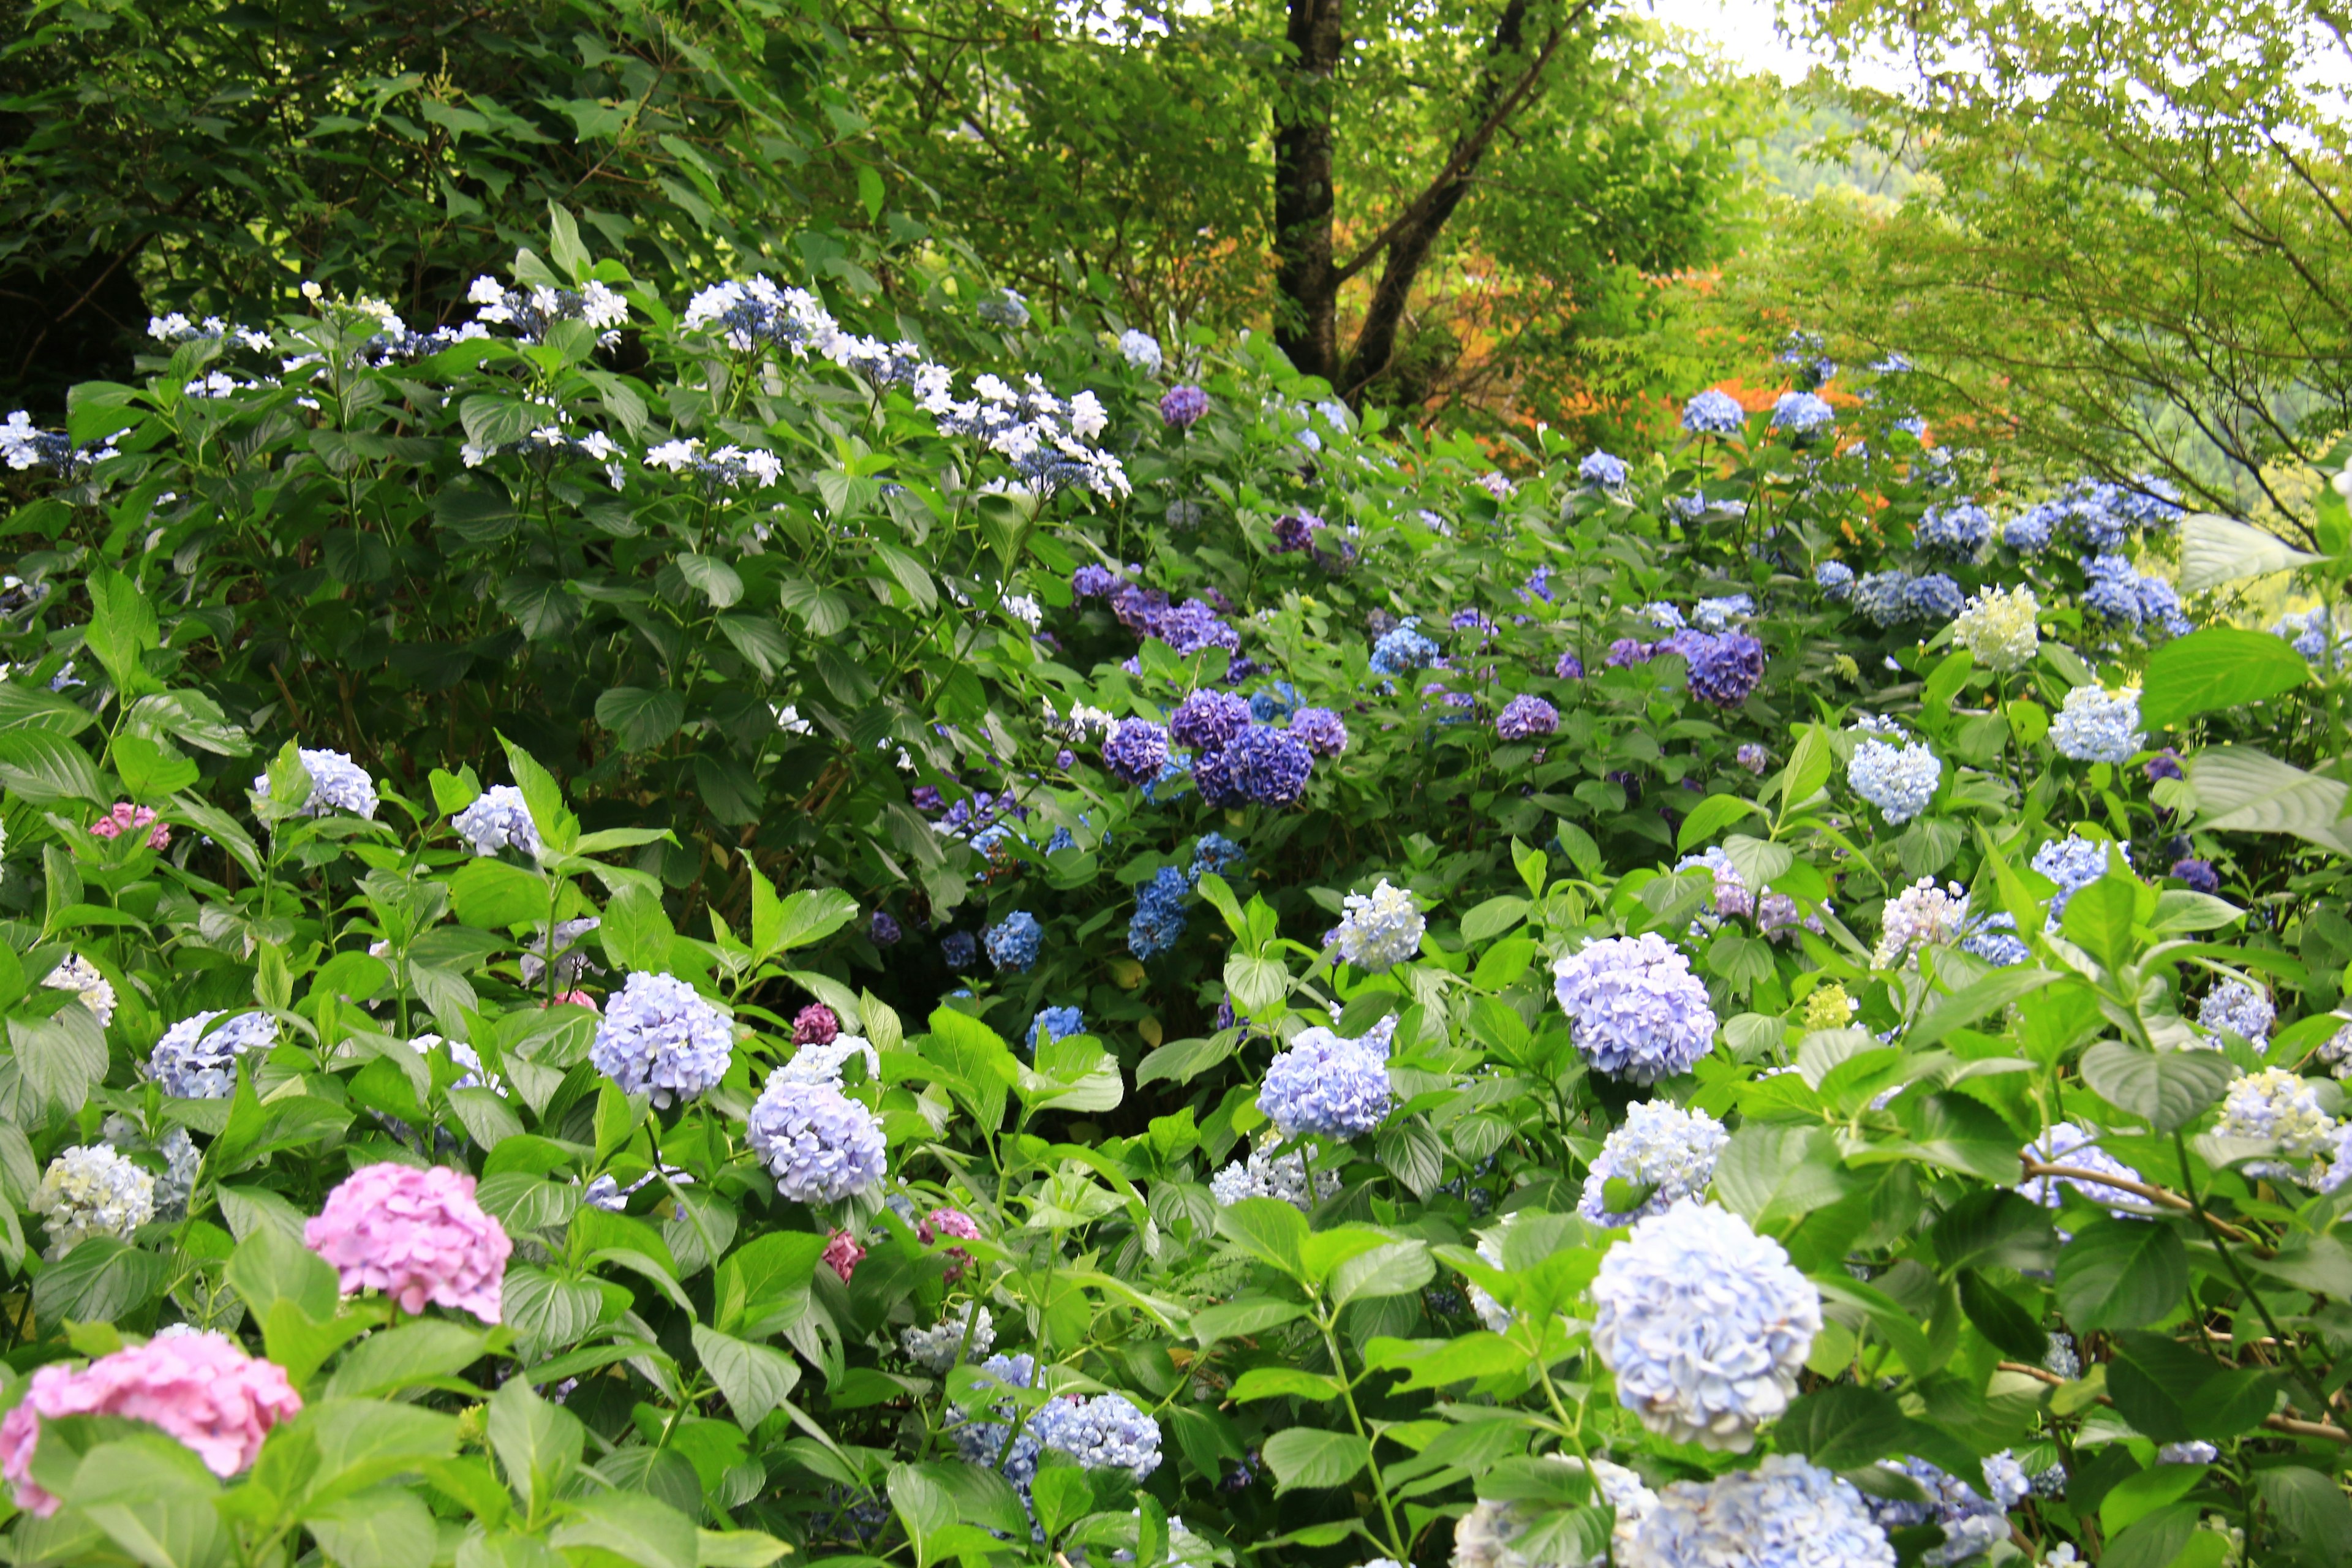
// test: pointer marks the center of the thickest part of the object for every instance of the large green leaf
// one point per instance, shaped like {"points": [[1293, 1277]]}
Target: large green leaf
{"points": [[755, 1378], [2121, 1274], [642, 717], [1306, 1458], [1842, 1426], [1268, 1229], [2217, 550], [2219, 666], [2240, 790], [2166, 1089]]}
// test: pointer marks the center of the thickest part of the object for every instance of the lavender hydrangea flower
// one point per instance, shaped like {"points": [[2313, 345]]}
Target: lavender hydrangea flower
{"points": [[1569, 668], [1723, 670], [1754, 758], [1526, 716], [1208, 718], [659, 1037], [1732, 898], [2096, 725], [1160, 918], [1092, 581], [2238, 1008], [1105, 1433], [1181, 405], [1294, 531], [1135, 750], [1320, 730], [337, 783], [192, 1064], [1326, 1084], [1634, 1008], [2191, 1453], [1705, 1323], [2200, 875], [1714, 413], [497, 819], [1786, 1513], [1626, 651], [1659, 1147], [820, 1145], [1014, 942], [1379, 930], [1602, 470]]}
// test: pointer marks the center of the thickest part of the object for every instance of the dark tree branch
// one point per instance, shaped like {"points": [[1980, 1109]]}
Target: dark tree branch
{"points": [[1304, 204]]}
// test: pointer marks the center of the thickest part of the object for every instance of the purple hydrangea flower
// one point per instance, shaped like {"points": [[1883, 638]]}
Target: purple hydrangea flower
{"points": [[1754, 758], [1726, 669], [1635, 1009], [1327, 1084], [884, 931], [1105, 1433], [1135, 750], [1627, 651], [1183, 404], [659, 1036], [1321, 729], [1208, 719], [1264, 764], [1523, 716], [960, 949], [2165, 764], [1092, 582], [1569, 668], [819, 1144], [1295, 531], [2199, 874]]}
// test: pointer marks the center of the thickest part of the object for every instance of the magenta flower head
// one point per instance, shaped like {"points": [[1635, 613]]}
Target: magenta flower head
{"points": [[128, 818], [842, 1255], [949, 1222], [1182, 406], [198, 1387], [416, 1235], [815, 1025]]}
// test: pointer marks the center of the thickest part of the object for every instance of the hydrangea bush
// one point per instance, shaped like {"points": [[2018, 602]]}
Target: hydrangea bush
{"points": [[751, 938]]}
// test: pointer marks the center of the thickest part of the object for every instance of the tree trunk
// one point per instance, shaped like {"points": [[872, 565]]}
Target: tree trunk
{"points": [[1308, 327]]}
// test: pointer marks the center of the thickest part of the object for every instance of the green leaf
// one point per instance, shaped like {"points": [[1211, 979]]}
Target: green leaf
{"points": [[926, 1509], [154, 1498], [538, 1444], [1843, 1428], [2098, 918], [1965, 1006], [1250, 1315], [1711, 817], [100, 1281], [2010, 1327], [2173, 1394], [642, 717], [44, 767], [1397, 1268], [713, 578], [636, 930], [1493, 918], [631, 1526], [2134, 1498], [2168, 1089], [494, 896], [1411, 1151], [2308, 1509], [2216, 668], [1945, 681], [122, 628], [62, 1056], [812, 914], [1269, 1230], [1757, 861], [739, 1548], [363, 1441], [1769, 1171], [383, 1527], [2240, 790], [755, 1378], [270, 1267], [1283, 1381], [2121, 1274], [1303, 1457], [404, 1357], [2217, 550]]}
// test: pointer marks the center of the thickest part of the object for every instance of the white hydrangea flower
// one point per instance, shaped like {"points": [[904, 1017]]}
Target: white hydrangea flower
{"points": [[2098, 726], [89, 1190], [2000, 626], [1381, 929], [79, 974]]}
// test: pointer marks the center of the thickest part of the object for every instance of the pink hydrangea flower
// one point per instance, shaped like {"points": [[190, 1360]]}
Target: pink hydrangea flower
{"points": [[949, 1222], [842, 1255], [198, 1387], [573, 999], [128, 818], [417, 1235]]}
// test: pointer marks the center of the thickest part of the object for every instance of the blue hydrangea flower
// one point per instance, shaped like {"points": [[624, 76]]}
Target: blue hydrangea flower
{"points": [[1208, 718], [2241, 1010], [1661, 1147], [1753, 757], [1705, 1323], [1322, 731], [2200, 875], [2028, 533], [2111, 590], [1213, 853], [2075, 863], [1802, 414], [1380, 929], [189, 1068], [1634, 1008], [1994, 938], [1836, 580], [2313, 635], [497, 819], [1954, 532], [1569, 667], [1900, 782], [1600, 469], [1723, 670], [1014, 942], [1971, 1522], [820, 1145], [1264, 764], [2191, 1453], [1136, 751], [659, 1037], [1105, 1433], [1524, 716], [986, 1443], [1159, 920], [1403, 650], [337, 783], [960, 949], [1269, 706], [884, 929], [1717, 614], [1884, 597], [1787, 1512], [1326, 1084], [2096, 725], [1714, 413], [1093, 582], [1663, 616], [1062, 1022], [1934, 597]]}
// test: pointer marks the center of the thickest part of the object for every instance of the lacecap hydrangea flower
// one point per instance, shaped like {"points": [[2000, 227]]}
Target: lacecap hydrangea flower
{"points": [[1526, 716], [416, 1235], [2001, 627], [1787, 1512], [659, 1037], [1714, 413], [197, 1387], [2241, 1010], [91, 1190], [1635, 1010], [1106, 1432], [1704, 1324], [337, 783], [820, 1145], [1265, 1176], [192, 1064], [497, 819], [1899, 780], [1014, 941], [2096, 725], [1661, 1150], [1379, 930], [1326, 1083]]}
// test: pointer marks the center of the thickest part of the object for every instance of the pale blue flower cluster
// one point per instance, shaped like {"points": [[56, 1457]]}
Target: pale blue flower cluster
{"points": [[1403, 650], [1954, 532], [1265, 1176], [1786, 1513], [1971, 1521], [1893, 597], [659, 1037], [1705, 1323], [1714, 413], [1663, 616], [1141, 350], [1014, 941], [982, 1442], [823, 1063], [1379, 930], [1836, 580], [2120, 595], [2314, 636], [2071, 1146], [2096, 725], [2075, 863], [1061, 1023], [1717, 614], [820, 1145], [1326, 1083], [497, 819], [1666, 1152], [337, 783], [937, 1348], [190, 1068], [1105, 1433], [1996, 940], [1601, 468], [1634, 1008], [1899, 780], [2241, 1010], [2197, 1452], [1802, 414]]}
